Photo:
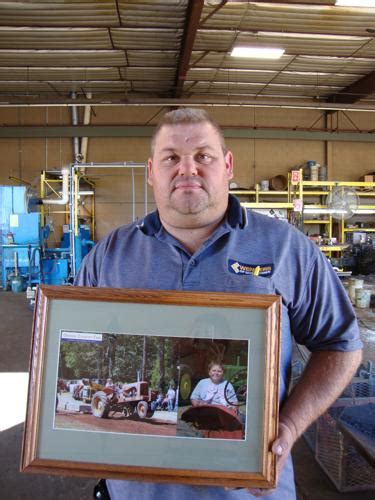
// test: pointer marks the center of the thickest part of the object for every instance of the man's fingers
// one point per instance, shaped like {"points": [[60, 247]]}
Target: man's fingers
{"points": [[281, 448], [258, 492], [284, 441]]}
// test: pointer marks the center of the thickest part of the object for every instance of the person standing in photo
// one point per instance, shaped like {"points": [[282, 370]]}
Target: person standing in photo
{"points": [[171, 396]]}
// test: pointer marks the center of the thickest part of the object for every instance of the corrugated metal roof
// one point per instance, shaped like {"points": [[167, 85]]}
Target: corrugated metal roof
{"points": [[147, 38], [291, 18], [54, 38], [160, 58], [59, 13], [141, 14], [77, 58], [153, 48], [57, 74]]}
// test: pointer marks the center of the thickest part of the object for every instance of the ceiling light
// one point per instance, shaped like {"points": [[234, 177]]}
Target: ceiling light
{"points": [[318, 36], [356, 3], [257, 52]]}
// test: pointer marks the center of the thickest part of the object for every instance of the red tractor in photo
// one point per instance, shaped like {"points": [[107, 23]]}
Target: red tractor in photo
{"points": [[132, 400]]}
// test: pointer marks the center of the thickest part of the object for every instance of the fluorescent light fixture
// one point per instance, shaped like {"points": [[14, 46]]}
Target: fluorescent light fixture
{"points": [[257, 52], [317, 210], [356, 3], [318, 36], [321, 210]]}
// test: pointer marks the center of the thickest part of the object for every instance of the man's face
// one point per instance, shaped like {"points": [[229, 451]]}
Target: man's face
{"points": [[190, 174]]}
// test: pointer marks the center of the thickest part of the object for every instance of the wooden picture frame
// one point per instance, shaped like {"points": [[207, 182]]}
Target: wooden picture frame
{"points": [[74, 325]]}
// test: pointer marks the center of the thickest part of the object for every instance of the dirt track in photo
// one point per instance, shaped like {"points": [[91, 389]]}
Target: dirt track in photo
{"points": [[117, 423]]}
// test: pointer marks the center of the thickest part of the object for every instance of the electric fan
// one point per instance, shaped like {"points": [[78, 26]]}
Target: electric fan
{"points": [[342, 202]]}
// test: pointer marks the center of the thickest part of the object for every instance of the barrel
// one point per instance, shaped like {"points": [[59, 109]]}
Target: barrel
{"points": [[314, 172], [278, 183], [322, 174]]}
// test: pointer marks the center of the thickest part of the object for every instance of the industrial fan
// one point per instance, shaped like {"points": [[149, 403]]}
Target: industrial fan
{"points": [[342, 202]]}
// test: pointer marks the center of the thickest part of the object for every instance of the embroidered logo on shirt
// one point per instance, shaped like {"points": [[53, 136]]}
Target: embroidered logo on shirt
{"points": [[255, 269]]}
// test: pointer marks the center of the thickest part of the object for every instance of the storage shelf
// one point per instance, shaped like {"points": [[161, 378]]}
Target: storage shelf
{"points": [[267, 204], [316, 221], [338, 183], [260, 192], [333, 248], [303, 194], [359, 230]]}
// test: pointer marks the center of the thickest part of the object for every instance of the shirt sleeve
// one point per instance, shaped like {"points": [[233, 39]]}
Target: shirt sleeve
{"points": [[323, 318], [199, 391], [89, 270]]}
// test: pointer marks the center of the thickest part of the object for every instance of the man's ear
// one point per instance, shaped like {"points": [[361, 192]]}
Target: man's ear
{"points": [[149, 171], [229, 164]]}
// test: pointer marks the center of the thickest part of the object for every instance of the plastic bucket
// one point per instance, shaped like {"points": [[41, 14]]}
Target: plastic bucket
{"points": [[354, 284], [264, 185], [362, 297], [16, 284]]}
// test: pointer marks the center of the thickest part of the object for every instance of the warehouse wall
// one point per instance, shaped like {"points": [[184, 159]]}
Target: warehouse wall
{"points": [[255, 159]]}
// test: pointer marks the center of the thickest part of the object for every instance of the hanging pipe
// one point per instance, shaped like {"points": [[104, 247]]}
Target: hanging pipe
{"points": [[65, 190], [84, 140], [76, 153]]}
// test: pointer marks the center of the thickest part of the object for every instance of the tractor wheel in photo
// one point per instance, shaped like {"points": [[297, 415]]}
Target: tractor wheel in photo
{"points": [[142, 409], [239, 383], [149, 413], [100, 405], [185, 387]]}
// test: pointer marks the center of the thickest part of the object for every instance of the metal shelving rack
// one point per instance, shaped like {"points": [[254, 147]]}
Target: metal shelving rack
{"points": [[297, 195]]}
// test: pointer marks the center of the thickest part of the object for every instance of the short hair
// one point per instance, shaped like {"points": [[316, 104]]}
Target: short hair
{"points": [[182, 116], [215, 363]]}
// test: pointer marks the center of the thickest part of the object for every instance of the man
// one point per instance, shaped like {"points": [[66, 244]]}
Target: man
{"points": [[201, 239], [171, 395]]}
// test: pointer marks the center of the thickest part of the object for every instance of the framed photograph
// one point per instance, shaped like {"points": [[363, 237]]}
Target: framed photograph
{"points": [[154, 385]]}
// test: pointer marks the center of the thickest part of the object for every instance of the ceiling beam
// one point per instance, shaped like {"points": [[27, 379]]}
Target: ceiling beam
{"points": [[147, 130], [193, 15], [358, 90], [208, 100]]}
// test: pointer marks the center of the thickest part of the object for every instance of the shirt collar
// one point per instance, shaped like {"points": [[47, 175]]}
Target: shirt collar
{"points": [[236, 217]]}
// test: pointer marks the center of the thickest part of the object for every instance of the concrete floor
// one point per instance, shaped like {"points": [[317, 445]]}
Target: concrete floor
{"points": [[15, 338]]}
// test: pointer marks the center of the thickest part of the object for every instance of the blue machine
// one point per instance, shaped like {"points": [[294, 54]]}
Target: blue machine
{"points": [[23, 252], [20, 234]]}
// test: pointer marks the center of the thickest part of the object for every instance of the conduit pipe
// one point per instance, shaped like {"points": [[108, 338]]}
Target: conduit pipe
{"points": [[65, 190], [84, 140], [76, 153]]}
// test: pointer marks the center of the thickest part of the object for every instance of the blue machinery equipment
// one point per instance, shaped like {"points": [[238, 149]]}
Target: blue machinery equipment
{"points": [[25, 257], [23, 244]]}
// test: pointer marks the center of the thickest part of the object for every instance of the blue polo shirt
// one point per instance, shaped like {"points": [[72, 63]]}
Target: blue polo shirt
{"points": [[248, 253]]}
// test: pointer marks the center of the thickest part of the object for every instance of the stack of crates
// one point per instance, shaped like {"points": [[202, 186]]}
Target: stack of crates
{"points": [[345, 464]]}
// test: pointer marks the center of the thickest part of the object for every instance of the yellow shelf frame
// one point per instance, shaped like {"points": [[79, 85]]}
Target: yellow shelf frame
{"points": [[297, 192]]}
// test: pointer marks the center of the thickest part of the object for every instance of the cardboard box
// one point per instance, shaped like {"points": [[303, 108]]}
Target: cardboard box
{"points": [[368, 178]]}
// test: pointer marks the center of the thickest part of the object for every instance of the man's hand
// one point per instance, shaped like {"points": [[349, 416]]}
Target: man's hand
{"points": [[281, 447]]}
